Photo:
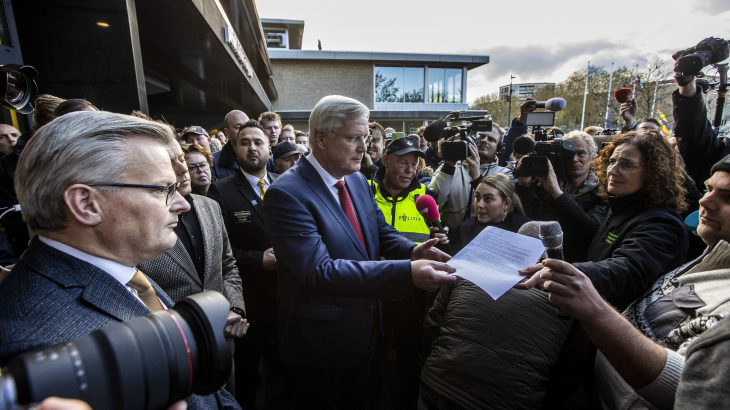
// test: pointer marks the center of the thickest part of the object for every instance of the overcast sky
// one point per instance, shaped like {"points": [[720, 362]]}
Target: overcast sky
{"points": [[537, 41]]}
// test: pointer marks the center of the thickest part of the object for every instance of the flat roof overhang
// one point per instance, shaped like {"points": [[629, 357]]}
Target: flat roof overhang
{"points": [[468, 60], [379, 114], [294, 27], [185, 54]]}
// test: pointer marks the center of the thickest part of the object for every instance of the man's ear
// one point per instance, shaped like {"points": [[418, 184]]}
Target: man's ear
{"points": [[82, 202], [385, 160], [319, 138]]}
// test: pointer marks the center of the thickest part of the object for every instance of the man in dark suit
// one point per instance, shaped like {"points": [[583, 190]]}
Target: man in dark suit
{"points": [[99, 190], [329, 235], [241, 198]]}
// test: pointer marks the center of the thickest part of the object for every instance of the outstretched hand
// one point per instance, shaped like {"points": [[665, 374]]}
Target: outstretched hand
{"points": [[427, 251], [429, 276], [571, 290]]}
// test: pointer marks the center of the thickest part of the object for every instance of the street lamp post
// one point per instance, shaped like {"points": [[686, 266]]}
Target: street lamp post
{"points": [[509, 102]]}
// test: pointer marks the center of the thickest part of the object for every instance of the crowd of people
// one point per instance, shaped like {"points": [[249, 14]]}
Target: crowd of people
{"points": [[338, 287]]}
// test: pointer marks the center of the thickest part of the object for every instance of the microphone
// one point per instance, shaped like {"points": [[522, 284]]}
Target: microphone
{"points": [[553, 104], [432, 133], [429, 210], [551, 235], [531, 229], [622, 95], [523, 145]]}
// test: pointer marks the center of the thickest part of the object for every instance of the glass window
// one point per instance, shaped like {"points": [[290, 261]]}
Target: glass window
{"points": [[4, 29], [435, 85], [452, 93], [388, 84], [412, 126], [413, 84], [276, 38]]}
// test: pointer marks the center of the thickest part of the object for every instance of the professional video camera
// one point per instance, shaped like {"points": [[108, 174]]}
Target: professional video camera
{"points": [[20, 87], [149, 362], [691, 61], [556, 151], [458, 137]]}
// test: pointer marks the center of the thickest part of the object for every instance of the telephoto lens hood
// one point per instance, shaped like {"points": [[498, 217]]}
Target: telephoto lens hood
{"points": [[148, 362]]}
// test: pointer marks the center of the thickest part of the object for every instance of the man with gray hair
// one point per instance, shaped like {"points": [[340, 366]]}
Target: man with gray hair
{"points": [[328, 235], [99, 190]]}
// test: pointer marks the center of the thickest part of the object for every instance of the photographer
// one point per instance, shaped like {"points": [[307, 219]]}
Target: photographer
{"points": [[575, 202], [456, 181], [698, 142], [516, 130]]}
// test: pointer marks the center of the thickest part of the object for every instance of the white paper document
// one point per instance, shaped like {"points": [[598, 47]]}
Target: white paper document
{"points": [[492, 259]]}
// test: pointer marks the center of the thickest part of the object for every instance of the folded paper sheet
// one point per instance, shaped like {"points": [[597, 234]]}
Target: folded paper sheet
{"points": [[492, 259]]}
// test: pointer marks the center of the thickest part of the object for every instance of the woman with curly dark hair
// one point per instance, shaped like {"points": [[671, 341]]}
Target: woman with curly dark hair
{"points": [[643, 235]]}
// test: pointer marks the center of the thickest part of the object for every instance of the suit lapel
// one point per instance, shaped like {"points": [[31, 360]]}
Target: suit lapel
{"points": [[180, 255], [245, 188], [100, 289], [316, 184], [204, 217]]}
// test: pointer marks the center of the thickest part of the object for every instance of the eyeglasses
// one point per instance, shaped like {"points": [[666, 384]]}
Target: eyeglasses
{"points": [[169, 190], [199, 167], [356, 139], [624, 166]]}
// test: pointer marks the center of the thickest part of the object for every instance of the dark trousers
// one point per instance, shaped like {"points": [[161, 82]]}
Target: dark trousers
{"points": [[324, 388]]}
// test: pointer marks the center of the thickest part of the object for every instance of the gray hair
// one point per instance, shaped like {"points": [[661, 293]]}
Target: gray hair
{"points": [[85, 147], [582, 136], [331, 111]]}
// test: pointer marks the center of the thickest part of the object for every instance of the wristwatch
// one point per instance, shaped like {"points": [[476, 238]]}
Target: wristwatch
{"points": [[238, 311]]}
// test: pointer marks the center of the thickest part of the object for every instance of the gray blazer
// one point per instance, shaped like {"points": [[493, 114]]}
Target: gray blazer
{"points": [[175, 272]]}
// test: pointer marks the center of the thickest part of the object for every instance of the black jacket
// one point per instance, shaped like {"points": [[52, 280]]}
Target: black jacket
{"points": [[697, 140], [580, 215], [243, 216], [467, 231], [432, 158], [634, 246]]}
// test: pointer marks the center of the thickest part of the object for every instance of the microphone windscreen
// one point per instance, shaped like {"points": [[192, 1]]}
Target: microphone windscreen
{"points": [[555, 104], [427, 208], [432, 133], [523, 145], [551, 234], [622, 95], [531, 229]]}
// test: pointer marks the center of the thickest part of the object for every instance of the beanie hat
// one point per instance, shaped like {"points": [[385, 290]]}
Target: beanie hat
{"points": [[721, 165]]}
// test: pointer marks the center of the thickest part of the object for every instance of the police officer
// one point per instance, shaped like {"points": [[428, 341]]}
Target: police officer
{"points": [[396, 189]]}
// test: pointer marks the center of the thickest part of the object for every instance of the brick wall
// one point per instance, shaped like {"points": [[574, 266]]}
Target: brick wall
{"points": [[302, 83]]}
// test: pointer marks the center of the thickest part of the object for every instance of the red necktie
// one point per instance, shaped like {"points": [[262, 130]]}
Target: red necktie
{"points": [[346, 206]]}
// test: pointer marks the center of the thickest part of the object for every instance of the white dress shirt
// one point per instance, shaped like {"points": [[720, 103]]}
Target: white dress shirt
{"points": [[254, 181], [328, 179], [122, 273]]}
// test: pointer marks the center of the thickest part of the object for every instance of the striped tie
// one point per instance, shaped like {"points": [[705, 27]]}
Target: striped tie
{"points": [[262, 187]]}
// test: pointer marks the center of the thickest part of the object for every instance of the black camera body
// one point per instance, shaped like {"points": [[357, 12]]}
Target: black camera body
{"points": [[458, 137], [556, 151], [148, 362], [691, 61]]}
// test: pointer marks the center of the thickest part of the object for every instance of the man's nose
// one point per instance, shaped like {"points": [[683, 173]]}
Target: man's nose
{"points": [[179, 204]]}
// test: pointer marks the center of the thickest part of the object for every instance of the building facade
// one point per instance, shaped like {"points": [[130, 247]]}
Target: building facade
{"points": [[402, 90]]}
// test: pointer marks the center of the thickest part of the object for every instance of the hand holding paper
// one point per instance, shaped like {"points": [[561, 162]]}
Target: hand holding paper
{"points": [[492, 260]]}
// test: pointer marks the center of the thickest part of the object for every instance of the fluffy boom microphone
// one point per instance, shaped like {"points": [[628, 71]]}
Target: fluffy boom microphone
{"points": [[553, 104], [432, 133], [427, 208]]}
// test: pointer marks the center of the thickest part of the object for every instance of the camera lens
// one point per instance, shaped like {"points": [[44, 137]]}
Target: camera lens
{"points": [[148, 362]]}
